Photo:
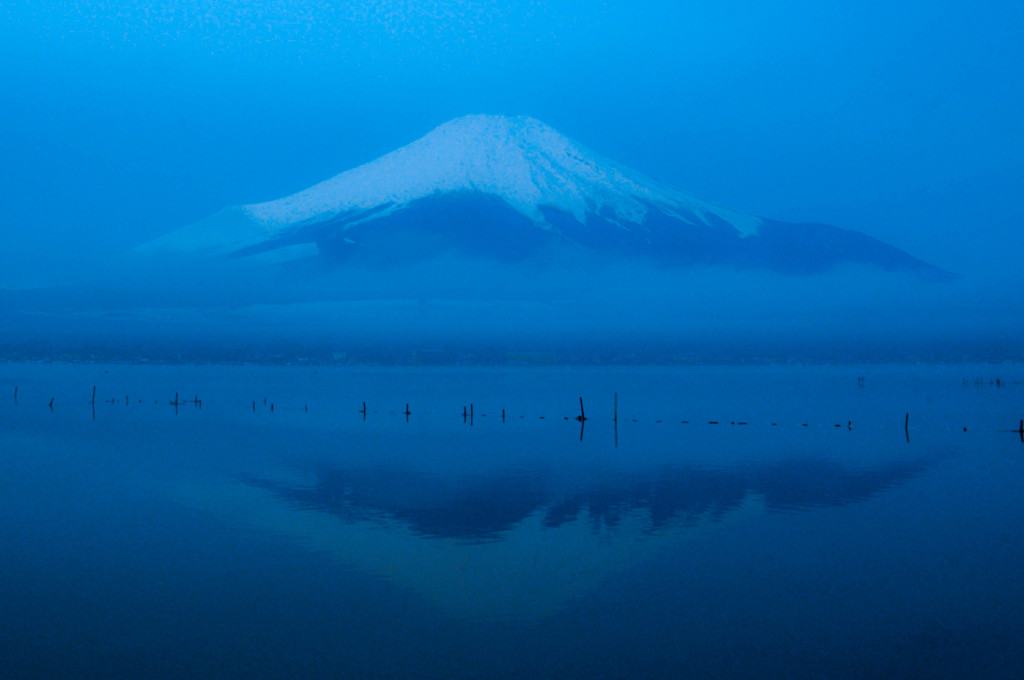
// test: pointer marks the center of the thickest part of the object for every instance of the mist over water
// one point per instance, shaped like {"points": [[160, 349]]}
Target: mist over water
{"points": [[576, 308]]}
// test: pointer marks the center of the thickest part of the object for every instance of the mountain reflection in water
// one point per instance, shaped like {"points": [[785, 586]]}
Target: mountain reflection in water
{"points": [[485, 508], [523, 544]]}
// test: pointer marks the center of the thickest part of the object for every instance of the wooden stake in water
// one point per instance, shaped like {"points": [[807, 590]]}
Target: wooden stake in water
{"points": [[615, 415], [93, 402], [582, 416]]}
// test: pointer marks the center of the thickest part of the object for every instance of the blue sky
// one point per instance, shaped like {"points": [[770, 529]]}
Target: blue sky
{"points": [[900, 119]]}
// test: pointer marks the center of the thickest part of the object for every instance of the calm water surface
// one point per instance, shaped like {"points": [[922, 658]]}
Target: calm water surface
{"points": [[806, 534]]}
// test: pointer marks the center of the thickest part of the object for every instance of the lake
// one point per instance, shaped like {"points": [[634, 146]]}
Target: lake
{"points": [[706, 522]]}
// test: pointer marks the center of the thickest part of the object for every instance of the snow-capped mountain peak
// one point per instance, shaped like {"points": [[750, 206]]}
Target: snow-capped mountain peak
{"points": [[504, 187], [524, 162], [519, 160]]}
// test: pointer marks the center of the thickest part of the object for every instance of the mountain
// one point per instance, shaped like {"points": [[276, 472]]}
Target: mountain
{"points": [[507, 189]]}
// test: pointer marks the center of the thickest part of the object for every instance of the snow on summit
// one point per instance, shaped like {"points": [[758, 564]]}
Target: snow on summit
{"points": [[518, 159]]}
